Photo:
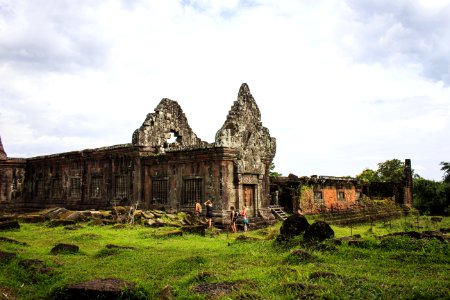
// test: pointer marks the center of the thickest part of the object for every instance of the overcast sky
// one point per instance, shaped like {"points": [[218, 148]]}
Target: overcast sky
{"points": [[341, 85]]}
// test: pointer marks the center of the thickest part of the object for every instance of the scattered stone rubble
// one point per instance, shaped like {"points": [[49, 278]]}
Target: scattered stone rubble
{"points": [[118, 215], [107, 288], [65, 248]]}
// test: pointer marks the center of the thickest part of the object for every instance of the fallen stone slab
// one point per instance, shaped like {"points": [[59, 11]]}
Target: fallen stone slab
{"points": [[322, 274], [294, 226], [35, 265], [12, 241], [148, 215], [109, 288], [7, 218], [6, 225], [96, 214], [158, 213], [319, 231], [73, 227], [64, 248], [350, 240], [6, 256], [77, 216], [55, 213], [58, 222], [314, 245], [300, 255], [109, 222], [198, 229], [245, 238], [90, 236], [32, 218], [111, 246], [96, 222], [168, 234], [154, 223], [216, 289], [31, 263]]}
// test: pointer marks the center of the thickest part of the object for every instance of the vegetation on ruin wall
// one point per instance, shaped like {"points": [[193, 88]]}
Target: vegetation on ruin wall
{"points": [[306, 199], [430, 196], [229, 266]]}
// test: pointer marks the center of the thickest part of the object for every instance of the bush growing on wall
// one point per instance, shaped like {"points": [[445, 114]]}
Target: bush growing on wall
{"points": [[306, 198]]}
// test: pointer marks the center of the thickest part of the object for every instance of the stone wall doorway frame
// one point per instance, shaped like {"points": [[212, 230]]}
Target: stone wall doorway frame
{"points": [[249, 198]]}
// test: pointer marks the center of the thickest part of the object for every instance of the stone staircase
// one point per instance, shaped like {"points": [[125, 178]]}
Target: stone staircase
{"points": [[278, 212]]}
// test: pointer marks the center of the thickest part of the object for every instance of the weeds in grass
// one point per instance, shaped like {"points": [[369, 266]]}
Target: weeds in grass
{"points": [[258, 267]]}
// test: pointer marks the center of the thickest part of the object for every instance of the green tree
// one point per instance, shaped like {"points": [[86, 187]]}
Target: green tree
{"points": [[368, 175], [431, 196], [446, 168], [391, 170], [272, 172]]}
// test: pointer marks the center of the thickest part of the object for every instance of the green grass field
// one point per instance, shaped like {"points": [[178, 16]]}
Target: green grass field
{"points": [[228, 266]]}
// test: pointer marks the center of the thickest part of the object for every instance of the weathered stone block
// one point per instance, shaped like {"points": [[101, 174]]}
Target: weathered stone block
{"points": [[293, 226], [64, 248], [319, 231], [9, 225]]}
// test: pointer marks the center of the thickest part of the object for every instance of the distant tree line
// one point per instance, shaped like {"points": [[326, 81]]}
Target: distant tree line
{"points": [[431, 197]]}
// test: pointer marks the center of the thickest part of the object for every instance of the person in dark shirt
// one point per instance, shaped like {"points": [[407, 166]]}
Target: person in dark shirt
{"points": [[209, 212]]}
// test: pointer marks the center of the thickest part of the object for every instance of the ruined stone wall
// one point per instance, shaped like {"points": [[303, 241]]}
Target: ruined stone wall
{"points": [[335, 193], [12, 174], [329, 202], [82, 179], [211, 168], [232, 171]]}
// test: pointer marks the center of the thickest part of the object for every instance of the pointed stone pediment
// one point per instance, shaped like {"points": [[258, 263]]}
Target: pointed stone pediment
{"points": [[243, 130], [3, 155], [166, 127]]}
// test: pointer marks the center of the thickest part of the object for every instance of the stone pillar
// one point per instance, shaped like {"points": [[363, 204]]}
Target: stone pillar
{"points": [[407, 184]]}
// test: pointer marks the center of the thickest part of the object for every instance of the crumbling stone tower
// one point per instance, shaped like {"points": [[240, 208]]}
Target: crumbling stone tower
{"points": [[166, 166], [244, 132]]}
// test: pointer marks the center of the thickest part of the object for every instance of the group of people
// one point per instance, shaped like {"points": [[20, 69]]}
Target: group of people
{"points": [[234, 215], [209, 212]]}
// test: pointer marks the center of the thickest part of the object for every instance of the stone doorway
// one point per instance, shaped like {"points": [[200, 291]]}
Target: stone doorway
{"points": [[249, 199]]}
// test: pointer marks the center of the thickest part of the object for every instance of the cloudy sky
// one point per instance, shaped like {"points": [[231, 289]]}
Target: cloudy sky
{"points": [[342, 85]]}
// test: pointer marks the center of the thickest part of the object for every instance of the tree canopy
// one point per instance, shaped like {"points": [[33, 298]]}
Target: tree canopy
{"points": [[272, 172], [368, 175], [446, 168], [391, 170], [388, 171]]}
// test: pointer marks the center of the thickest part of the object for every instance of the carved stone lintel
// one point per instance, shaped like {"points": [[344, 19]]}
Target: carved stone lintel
{"points": [[249, 179]]}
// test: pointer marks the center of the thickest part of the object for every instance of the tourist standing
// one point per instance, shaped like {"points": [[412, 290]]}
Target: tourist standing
{"points": [[198, 211], [233, 217], [244, 215], [209, 213]]}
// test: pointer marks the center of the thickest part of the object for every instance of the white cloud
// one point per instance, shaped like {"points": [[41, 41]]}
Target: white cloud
{"points": [[342, 85]]}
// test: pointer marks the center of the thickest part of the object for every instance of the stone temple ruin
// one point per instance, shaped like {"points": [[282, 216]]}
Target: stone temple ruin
{"points": [[153, 170], [167, 167]]}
